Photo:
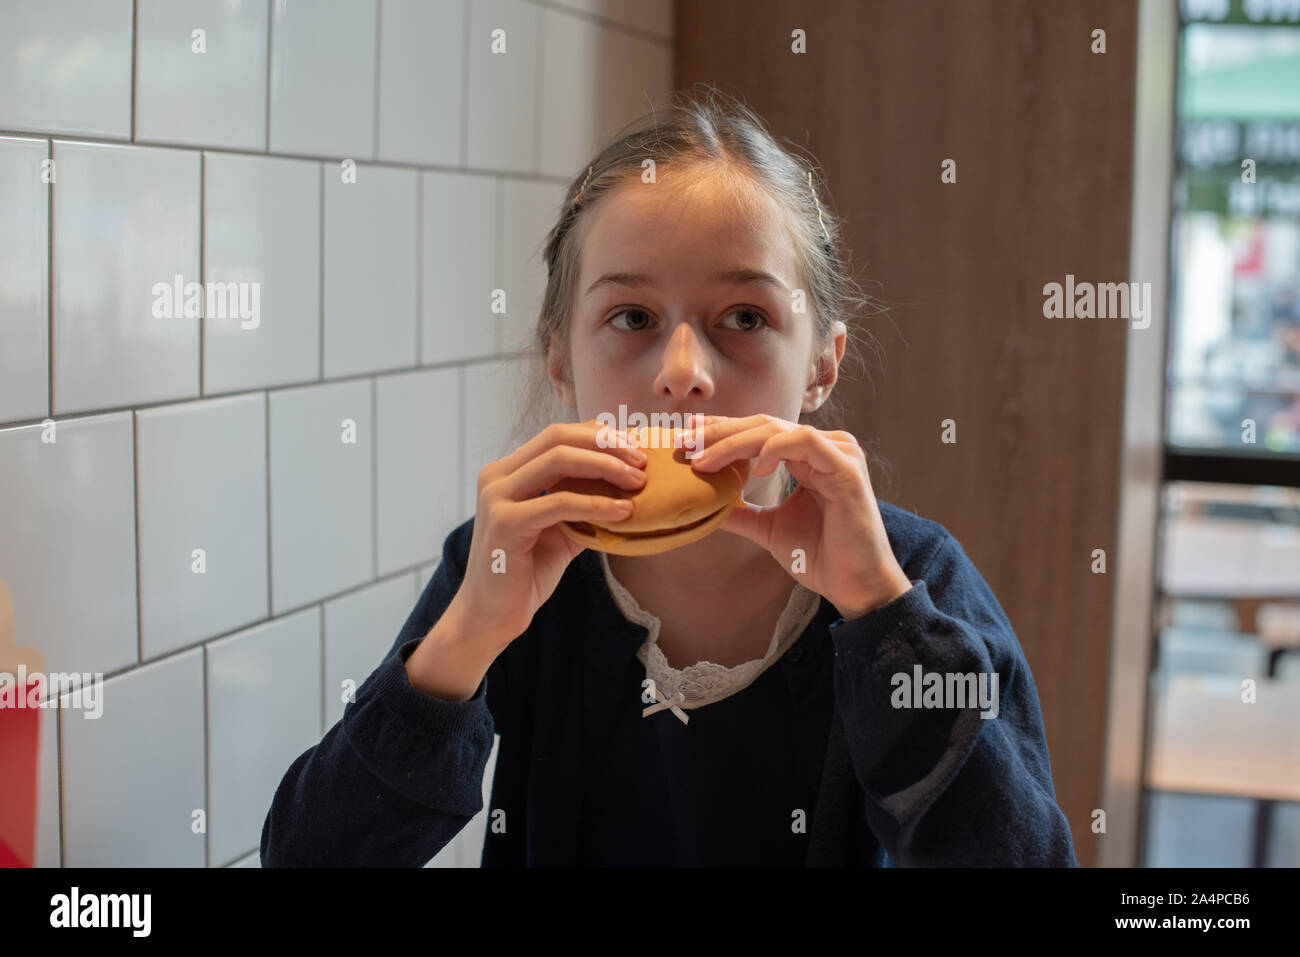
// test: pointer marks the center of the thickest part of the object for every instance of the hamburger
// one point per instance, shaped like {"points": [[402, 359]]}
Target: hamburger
{"points": [[676, 506]]}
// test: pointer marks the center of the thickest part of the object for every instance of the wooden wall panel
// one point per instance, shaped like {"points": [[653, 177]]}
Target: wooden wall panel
{"points": [[1041, 130]]}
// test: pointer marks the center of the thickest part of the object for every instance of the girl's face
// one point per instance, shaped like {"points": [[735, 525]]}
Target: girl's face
{"points": [[685, 304]]}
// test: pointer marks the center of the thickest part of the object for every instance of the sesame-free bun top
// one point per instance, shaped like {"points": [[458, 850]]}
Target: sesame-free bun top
{"points": [[674, 495]]}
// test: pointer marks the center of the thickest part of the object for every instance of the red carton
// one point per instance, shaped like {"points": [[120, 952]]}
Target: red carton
{"points": [[20, 737]]}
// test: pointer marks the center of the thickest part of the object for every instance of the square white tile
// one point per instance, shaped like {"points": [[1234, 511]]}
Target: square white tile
{"points": [[262, 225], [67, 550], [66, 67], [202, 89], [459, 247], [202, 520], [577, 58], [133, 778], [417, 464], [322, 534], [421, 81], [371, 270], [323, 78], [504, 40], [492, 406], [24, 279], [360, 628], [530, 211], [263, 711], [126, 223]]}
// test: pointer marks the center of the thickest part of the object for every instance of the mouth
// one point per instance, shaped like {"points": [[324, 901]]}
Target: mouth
{"points": [[587, 529]]}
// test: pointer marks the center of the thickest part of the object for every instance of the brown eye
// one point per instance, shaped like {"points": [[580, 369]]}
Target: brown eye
{"points": [[630, 312], [753, 316]]}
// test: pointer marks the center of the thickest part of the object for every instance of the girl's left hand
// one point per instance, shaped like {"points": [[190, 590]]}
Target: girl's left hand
{"points": [[831, 516]]}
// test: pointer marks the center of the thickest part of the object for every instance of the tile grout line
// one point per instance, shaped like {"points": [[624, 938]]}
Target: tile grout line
{"points": [[202, 643], [321, 637], [270, 32], [92, 140], [266, 440], [203, 272], [207, 765], [135, 58], [58, 760], [374, 128], [498, 261], [464, 86], [419, 268], [135, 505], [286, 387], [460, 444], [539, 73], [374, 478], [320, 274], [49, 279]]}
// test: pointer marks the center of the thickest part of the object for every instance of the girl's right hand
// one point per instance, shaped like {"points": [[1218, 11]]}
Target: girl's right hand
{"points": [[502, 591]]}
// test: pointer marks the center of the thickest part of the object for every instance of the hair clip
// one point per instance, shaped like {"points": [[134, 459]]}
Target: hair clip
{"points": [[826, 236], [583, 187]]}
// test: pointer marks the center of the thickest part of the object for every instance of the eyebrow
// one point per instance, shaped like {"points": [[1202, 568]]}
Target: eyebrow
{"points": [[743, 276]]}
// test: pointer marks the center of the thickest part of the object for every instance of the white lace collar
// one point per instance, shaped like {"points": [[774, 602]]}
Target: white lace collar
{"points": [[706, 682]]}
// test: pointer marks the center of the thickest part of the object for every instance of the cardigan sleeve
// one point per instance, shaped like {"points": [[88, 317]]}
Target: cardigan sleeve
{"points": [[401, 773], [947, 784]]}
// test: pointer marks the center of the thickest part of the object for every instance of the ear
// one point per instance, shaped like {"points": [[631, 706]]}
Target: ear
{"points": [[824, 369], [559, 376]]}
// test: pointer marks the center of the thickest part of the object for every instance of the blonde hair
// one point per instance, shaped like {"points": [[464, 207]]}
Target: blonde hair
{"points": [[698, 133]]}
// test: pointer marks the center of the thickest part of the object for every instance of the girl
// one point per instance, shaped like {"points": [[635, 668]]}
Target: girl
{"points": [[827, 680]]}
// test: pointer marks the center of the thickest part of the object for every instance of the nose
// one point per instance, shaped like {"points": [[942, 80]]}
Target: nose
{"points": [[684, 373]]}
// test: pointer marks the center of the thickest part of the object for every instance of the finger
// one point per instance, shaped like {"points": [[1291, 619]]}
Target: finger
{"points": [[586, 435], [714, 428], [537, 514], [751, 521], [708, 430], [804, 444], [566, 461], [802, 472], [742, 445]]}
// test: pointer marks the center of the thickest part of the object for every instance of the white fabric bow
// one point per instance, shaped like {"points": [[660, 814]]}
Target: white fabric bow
{"points": [[672, 703]]}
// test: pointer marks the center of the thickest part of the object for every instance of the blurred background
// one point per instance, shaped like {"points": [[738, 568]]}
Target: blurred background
{"points": [[378, 170]]}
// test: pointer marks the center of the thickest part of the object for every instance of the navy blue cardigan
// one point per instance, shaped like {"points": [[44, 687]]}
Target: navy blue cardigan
{"points": [[401, 772]]}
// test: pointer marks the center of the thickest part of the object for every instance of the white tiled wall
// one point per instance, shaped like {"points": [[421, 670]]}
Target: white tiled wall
{"points": [[370, 271], [201, 515], [231, 518], [24, 280], [261, 224], [263, 700], [125, 218]]}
